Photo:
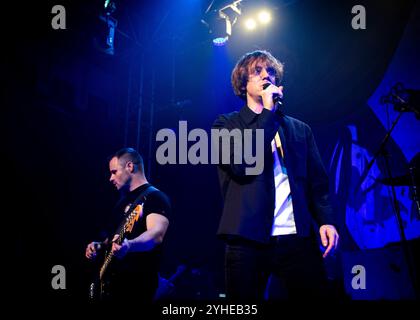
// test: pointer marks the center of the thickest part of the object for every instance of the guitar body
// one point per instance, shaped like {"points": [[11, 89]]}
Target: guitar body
{"points": [[99, 290], [95, 290]]}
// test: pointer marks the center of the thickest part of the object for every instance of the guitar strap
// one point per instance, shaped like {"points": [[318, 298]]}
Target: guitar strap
{"points": [[141, 196]]}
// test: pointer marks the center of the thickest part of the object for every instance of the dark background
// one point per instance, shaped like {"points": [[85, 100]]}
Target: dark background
{"points": [[66, 106]]}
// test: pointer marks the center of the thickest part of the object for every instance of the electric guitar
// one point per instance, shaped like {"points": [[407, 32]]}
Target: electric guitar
{"points": [[98, 288]]}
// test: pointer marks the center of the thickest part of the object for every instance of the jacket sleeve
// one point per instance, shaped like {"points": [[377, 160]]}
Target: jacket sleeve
{"points": [[318, 191]]}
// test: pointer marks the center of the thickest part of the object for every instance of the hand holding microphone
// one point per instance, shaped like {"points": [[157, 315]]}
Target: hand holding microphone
{"points": [[276, 95]]}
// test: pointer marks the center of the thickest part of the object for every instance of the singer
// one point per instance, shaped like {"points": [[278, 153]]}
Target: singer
{"points": [[268, 220]]}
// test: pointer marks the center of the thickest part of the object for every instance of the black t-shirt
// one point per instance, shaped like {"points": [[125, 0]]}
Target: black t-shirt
{"points": [[138, 267], [154, 202]]}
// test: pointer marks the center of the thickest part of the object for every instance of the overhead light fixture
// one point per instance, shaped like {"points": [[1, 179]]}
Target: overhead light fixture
{"points": [[220, 21], [106, 42]]}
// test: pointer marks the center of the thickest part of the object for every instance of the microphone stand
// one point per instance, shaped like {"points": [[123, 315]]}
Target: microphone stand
{"points": [[407, 253]]}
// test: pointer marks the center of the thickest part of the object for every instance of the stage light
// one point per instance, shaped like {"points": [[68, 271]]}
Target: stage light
{"points": [[109, 7], [218, 42], [250, 24], [264, 17], [105, 40], [220, 21]]}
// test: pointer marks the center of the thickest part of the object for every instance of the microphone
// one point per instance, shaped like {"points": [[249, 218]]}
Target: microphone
{"points": [[277, 99]]}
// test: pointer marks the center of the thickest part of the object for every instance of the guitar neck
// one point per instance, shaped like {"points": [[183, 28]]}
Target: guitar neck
{"points": [[125, 227], [110, 255]]}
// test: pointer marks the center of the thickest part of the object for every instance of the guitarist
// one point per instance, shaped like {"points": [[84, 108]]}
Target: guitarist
{"points": [[133, 272]]}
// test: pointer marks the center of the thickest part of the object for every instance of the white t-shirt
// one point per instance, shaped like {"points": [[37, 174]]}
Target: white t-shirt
{"points": [[284, 220]]}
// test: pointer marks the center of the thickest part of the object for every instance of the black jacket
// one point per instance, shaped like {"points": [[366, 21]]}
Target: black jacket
{"points": [[249, 200]]}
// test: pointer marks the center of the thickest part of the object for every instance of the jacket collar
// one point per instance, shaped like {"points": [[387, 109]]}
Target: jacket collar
{"points": [[247, 114]]}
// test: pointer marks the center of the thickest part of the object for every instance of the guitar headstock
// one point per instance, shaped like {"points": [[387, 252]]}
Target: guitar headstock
{"points": [[133, 217]]}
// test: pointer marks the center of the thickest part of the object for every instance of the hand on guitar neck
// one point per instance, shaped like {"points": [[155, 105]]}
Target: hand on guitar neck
{"points": [[120, 249]]}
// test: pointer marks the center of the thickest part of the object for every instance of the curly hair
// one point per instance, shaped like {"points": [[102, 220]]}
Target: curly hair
{"points": [[242, 70]]}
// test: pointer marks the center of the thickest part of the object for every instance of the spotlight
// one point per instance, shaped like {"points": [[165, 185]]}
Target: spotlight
{"points": [[109, 7], [264, 17], [220, 21], [250, 24], [220, 41]]}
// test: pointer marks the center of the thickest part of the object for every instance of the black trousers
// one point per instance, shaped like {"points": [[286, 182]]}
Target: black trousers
{"points": [[290, 267]]}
